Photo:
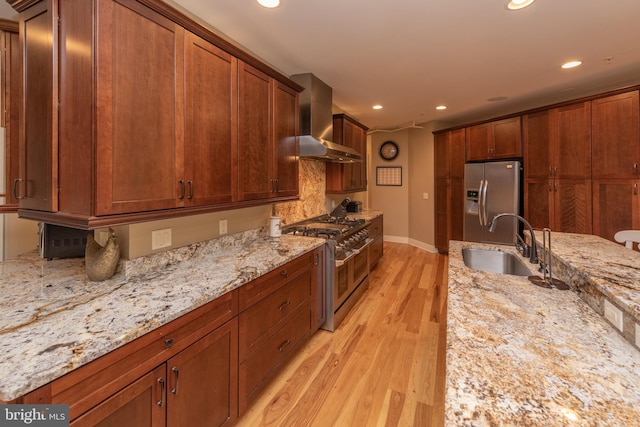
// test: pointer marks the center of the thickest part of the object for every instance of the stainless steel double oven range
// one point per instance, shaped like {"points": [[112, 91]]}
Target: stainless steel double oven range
{"points": [[347, 261]]}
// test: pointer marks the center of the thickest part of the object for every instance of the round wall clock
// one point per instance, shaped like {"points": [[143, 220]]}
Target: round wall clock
{"points": [[389, 150]]}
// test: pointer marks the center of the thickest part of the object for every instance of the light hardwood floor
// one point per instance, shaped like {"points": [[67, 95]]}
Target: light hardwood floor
{"points": [[384, 365]]}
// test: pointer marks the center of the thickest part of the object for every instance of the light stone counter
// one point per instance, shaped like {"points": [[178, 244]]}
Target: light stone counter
{"points": [[518, 354], [366, 214], [54, 320]]}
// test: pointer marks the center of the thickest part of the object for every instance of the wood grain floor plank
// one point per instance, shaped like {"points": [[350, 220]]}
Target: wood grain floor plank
{"points": [[384, 365]]}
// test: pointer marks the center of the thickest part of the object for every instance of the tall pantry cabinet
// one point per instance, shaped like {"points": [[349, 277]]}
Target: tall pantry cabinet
{"points": [[134, 112], [557, 167], [449, 183], [616, 159]]}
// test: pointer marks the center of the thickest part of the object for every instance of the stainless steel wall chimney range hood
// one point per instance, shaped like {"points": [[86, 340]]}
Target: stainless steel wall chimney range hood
{"points": [[316, 123]]}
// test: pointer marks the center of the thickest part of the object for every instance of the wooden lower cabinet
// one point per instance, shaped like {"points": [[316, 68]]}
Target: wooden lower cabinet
{"points": [[449, 212], [616, 206], [140, 404], [276, 316], [207, 366], [564, 205], [376, 249]]}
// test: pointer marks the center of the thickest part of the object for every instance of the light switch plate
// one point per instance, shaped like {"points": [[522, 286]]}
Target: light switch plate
{"points": [[160, 238], [222, 227], [613, 314]]}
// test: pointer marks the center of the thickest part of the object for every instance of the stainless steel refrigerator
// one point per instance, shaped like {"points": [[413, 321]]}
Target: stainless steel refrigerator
{"points": [[491, 188]]}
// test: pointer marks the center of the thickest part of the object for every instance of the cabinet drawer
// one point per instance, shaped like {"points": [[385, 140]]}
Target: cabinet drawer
{"points": [[90, 384], [260, 320], [375, 229], [259, 368], [265, 285]]}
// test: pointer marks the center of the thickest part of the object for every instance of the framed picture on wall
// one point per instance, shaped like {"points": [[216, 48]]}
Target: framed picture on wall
{"points": [[389, 175]]}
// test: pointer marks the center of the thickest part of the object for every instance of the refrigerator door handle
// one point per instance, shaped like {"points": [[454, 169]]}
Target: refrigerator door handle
{"points": [[480, 201], [484, 202]]}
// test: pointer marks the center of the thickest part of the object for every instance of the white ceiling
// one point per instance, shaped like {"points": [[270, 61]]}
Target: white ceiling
{"points": [[412, 55]]}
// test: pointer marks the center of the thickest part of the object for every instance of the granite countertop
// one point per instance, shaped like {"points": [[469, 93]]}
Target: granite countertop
{"points": [[519, 354], [55, 320], [366, 214]]}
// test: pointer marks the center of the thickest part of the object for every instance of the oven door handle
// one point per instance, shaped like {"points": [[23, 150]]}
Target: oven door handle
{"points": [[367, 242], [341, 262]]}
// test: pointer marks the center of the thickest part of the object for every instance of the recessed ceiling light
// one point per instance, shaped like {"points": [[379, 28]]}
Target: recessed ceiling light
{"points": [[571, 64], [441, 107], [519, 4], [269, 3], [377, 107]]}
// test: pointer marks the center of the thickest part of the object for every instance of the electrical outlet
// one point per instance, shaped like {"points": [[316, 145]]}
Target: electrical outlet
{"points": [[425, 196], [222, 226], [613, 314], [161, 238]]}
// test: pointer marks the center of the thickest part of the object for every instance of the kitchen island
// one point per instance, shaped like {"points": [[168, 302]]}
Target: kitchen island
{"points": [[519, 354], [55, 320]]}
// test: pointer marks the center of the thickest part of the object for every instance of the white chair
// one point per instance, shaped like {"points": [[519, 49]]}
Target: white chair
{"points": [[628, 237]]}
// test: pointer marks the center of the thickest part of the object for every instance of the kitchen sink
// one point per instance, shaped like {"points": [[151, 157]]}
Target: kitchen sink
{"points": [[494, 261]]}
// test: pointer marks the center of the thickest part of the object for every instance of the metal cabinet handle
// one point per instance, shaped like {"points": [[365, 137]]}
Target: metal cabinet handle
{"points": [[182, 189], [635, 189], [174, 390], [284, 345], [550, 187], [284, 273], [15, 189], [555, 170], [284, 305], [190, 190], [635, 169], [161, 401]]}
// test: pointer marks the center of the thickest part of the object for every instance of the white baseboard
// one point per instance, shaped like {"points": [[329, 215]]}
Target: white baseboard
{"points": [[412, 242]]}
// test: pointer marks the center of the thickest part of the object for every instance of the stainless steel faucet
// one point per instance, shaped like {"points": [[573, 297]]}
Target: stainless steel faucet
{"points": [[533, 256]]}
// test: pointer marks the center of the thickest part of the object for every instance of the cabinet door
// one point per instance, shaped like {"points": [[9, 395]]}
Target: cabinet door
{"points": [[456, 209], [202, 380], [286, 140], [456, 140], [442, 216], [142, 404], [616, 206], [538, 139], [11, 87], [507, 140], [210, 128], [538, 202], [139, 109], [254, 134], [572, 206], [441, 156], [478, 142], [572, 150], [38, 151], [615, 136]]}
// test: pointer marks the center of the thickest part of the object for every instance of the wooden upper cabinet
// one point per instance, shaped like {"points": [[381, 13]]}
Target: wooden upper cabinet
{"points": [[211, 123], [267, 136], [37, 182], [348, 177], [500, 139], [255, 131], [449, 154], [140, 145], [286, 140], [572, 148], [538, 136], [616, 136], [10, 95], [133, 112]]}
